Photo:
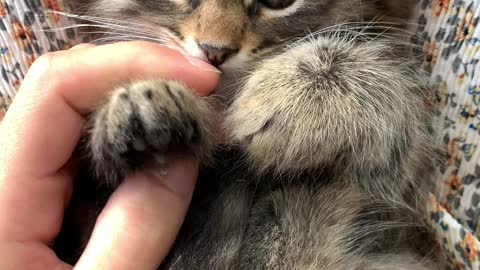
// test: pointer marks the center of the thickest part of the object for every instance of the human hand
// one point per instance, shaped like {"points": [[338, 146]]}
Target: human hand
{"points": [[38, 136]]}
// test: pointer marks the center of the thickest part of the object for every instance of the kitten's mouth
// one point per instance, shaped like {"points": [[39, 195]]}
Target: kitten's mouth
{"points": [[204, 65]]}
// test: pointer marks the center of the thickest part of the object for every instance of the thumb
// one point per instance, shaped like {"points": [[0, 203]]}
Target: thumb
{"points": [[141, 219]]}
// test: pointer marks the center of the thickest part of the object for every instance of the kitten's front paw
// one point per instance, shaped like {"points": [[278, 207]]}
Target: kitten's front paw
{"points": [[143, 122], [327, 103]]}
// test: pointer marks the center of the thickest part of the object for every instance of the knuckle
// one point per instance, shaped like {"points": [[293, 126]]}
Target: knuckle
{"points": [[44, 61], [43, 65]]}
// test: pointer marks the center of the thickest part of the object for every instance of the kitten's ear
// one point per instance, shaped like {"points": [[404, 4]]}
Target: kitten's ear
{"points": [[397, 9]]}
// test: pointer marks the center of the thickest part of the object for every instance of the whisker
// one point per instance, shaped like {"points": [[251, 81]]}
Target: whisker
{"points": [[105, 21], [115, 30], [108, 39]]}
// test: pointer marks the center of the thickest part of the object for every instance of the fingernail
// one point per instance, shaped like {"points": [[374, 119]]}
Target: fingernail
{"points": [[179, 175], [202, 65]]}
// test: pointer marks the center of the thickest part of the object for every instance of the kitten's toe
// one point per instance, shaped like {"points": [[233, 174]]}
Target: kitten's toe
{"points": [[143, 122]]}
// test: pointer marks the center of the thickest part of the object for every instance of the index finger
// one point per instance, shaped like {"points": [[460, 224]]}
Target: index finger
{"points": [[104, 67]]}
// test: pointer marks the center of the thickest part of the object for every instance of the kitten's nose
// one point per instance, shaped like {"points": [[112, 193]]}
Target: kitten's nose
{"points": [[216, 55]]}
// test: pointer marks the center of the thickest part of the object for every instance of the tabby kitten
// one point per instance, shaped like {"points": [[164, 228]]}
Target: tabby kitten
{"points": [[327, 135]]}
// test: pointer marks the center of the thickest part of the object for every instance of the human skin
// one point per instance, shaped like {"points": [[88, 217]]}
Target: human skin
{"points": [[37, 167]]}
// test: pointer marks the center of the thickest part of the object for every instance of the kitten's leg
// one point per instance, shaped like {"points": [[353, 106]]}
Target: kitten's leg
{"points": [[141, 122], [354, 108], [212, 237]]}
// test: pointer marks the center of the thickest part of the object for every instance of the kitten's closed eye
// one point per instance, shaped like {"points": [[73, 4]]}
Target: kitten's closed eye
{"points": [[277, 4], [194, 3]]}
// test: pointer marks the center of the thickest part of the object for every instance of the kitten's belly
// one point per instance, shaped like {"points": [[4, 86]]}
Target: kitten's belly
{"points": [[239, 221]]}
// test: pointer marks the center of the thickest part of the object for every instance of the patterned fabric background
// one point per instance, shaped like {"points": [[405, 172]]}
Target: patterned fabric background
{"points": [[452, 52], [451, 35], [26, 32]]}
